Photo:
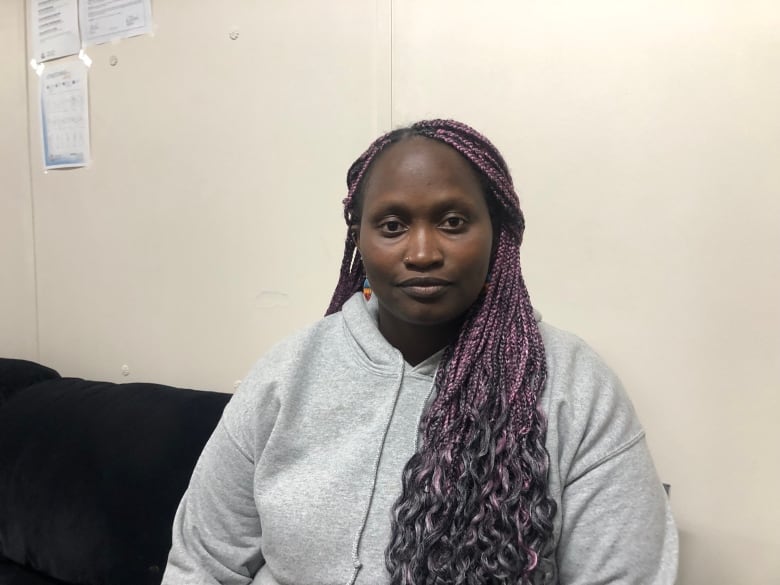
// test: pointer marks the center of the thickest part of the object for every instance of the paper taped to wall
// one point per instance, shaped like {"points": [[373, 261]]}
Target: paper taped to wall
{"points": [[54, 29], [108, 20], [65, 114]]}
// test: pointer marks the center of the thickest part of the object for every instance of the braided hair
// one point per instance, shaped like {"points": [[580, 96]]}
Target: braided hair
{"points": [[474, 507]]}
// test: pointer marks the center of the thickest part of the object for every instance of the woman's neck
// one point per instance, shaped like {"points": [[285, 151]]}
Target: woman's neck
{"points": [[417, 342]]}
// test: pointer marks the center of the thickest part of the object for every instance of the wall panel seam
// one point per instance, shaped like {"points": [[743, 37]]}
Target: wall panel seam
{"points": [[29, 81]]}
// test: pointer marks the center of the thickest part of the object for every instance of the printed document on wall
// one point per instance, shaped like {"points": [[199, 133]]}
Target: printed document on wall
{"points": [[107, 20], [54, 28], [65, 114]]}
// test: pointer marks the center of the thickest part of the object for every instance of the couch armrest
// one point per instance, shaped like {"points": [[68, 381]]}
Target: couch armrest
{"points": [[91, 474], [16, 375]]}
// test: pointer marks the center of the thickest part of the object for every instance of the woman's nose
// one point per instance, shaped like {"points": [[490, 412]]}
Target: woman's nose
{"points": [[423, 250]]}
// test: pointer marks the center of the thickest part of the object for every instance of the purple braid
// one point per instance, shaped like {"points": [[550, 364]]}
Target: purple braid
{"points": [[475, 506]]}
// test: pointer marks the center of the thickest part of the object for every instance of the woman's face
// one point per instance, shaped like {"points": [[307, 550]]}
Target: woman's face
{"points": [[425, 233]]}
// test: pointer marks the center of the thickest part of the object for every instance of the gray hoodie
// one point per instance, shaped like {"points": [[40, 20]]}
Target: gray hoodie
{"points": [[297, 482]]}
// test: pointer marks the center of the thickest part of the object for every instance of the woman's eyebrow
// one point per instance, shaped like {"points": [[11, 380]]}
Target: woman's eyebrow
{"points": [[389, 208]]}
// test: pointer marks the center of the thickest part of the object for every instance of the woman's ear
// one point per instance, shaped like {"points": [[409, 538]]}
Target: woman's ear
{"points": [[354, 233]]}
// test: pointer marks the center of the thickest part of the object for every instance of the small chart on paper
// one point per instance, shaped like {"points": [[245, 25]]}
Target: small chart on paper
{"points": [[65, 115]]}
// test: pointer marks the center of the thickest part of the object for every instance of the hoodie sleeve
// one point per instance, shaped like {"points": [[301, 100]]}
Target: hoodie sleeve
{"points": [[217, 532], [614, 521], [616, 524]]}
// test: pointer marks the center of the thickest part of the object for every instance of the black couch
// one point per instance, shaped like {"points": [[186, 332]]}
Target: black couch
{"points": [[91, 474]]}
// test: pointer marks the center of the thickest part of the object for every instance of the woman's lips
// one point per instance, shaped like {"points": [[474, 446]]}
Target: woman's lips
{"points": [[424, 288]]}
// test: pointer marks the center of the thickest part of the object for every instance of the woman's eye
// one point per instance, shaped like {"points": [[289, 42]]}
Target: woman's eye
{"points": [[453, 223], [392, 227]]}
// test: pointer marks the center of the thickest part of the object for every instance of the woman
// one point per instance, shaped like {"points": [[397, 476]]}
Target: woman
{"points": [[430, 430]]}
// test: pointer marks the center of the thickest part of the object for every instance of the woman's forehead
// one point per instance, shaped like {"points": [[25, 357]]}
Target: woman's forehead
{"points": [[420, 159]]}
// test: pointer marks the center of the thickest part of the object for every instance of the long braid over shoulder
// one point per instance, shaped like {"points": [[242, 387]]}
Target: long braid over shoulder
{"points": [[475, 507]]}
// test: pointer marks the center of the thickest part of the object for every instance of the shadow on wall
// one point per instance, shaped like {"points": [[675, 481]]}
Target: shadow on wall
{"points": [[702, 560], [682, 573]]}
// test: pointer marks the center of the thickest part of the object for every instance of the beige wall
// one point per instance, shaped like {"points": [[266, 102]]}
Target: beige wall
{"points": [[644, 139], [208, 225], [17, 252]]}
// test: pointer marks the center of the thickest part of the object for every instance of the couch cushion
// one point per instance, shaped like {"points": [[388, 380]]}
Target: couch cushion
{"points": [[16, 375], [91, 474], [13, 574]]}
